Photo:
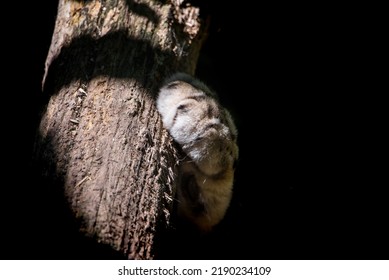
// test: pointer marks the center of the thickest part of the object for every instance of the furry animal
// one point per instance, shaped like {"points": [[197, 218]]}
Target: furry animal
{"points": [[207, 135]]}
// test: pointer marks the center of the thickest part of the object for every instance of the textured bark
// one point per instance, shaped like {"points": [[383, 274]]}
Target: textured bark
{"points": [[101, 140]]}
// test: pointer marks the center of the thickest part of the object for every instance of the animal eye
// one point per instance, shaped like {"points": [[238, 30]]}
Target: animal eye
{"points": [[211, 125], [182, 107]]}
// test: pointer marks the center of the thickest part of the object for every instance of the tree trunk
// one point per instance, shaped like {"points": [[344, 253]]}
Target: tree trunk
{"points": [[100, 140]]}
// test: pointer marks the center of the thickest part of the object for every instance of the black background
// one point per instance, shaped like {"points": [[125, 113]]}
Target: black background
{"points": [[307, 183]]}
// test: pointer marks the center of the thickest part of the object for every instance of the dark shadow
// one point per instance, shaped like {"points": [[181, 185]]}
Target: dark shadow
{"points": [[49, 229], [138, 8], [143, 10], [97, 57]]}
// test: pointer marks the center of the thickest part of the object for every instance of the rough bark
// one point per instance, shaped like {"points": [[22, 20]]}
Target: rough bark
{"points": [[100, 139]]}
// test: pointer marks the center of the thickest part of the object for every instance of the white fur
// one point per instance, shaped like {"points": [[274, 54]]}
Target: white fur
{"points": [[206, 132]]}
